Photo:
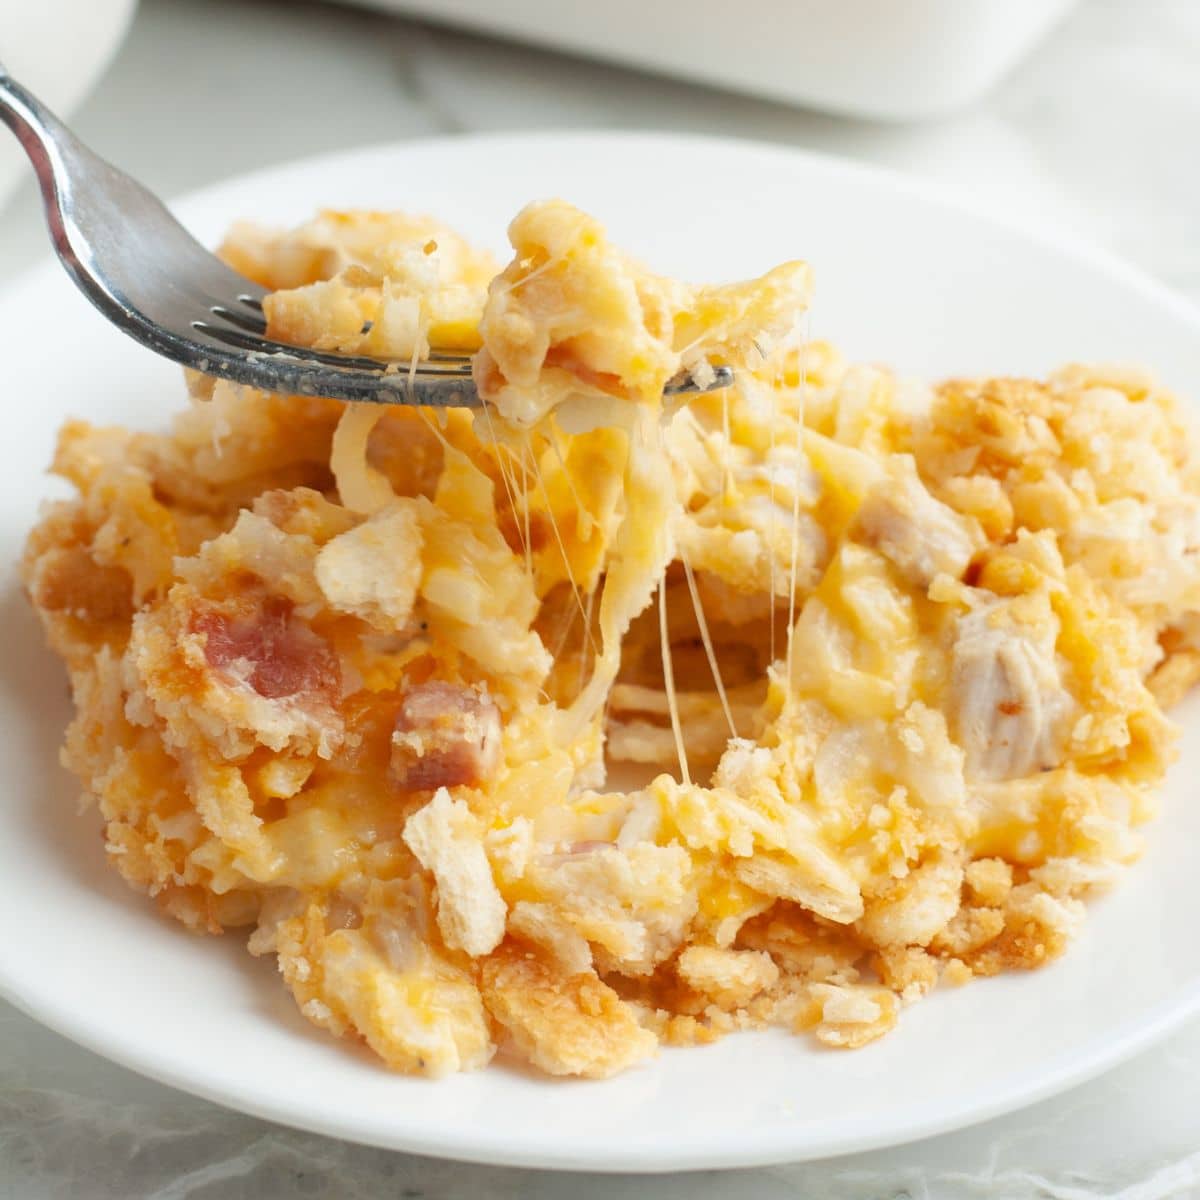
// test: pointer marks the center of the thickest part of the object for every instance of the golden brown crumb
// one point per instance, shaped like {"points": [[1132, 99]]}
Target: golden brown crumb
{"points": [[1175, 676], [908, 970], [564, 1024], [851, 1015], [689, 1031], [988, 880], [956, 972], [801, 945], [730, 978], [970, 929], [1035, 931]]}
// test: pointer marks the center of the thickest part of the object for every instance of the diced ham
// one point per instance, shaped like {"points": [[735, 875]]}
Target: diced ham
{"points": [[446, 735], [269, 650]]}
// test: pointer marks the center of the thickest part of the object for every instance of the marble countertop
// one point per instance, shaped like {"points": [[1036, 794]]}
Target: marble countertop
{"points": [[1096, 133]]}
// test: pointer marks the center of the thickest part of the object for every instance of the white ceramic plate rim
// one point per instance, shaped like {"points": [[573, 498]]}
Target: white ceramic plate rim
{"points": [[1057, 1073]]}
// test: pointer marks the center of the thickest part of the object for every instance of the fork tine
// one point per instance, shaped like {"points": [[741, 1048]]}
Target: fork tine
{"points": [[454, 369], [252, 324], [257, 323], [300, 374], [684, 385]]}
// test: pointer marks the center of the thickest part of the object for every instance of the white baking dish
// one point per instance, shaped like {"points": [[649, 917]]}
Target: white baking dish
{"points": [[58, 49], [889, 59]]}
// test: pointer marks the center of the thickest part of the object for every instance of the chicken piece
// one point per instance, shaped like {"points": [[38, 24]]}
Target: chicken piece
{"points": [[446, 735], [1010, 711], [920, 535]]}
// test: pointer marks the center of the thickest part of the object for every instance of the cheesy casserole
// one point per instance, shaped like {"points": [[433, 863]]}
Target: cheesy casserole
{"points": [[583, 723]]}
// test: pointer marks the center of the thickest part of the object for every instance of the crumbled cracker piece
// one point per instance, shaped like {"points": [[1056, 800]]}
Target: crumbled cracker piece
{"points": [[564, 1024], [988, 880], [971, 928], [1175, 676], [374, 570], [545, 925], [908, 970], [446, 840], [1037, 928], [730, 978], [956, 973], [853, 1016], [914, 909], [804, 947]]}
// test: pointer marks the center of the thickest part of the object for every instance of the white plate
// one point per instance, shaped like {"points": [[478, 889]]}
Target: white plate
{"points": [[902, 277]]}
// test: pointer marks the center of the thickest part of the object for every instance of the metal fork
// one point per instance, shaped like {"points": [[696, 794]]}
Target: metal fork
{"points": [[156, 283]]}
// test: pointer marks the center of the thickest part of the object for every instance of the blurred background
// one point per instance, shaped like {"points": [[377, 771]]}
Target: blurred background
{"points": [[1080, 116]]}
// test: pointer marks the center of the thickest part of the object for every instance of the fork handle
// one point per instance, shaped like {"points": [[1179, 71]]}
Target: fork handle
{"points": [[37, 128], [49, 145], [20, 110]]}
